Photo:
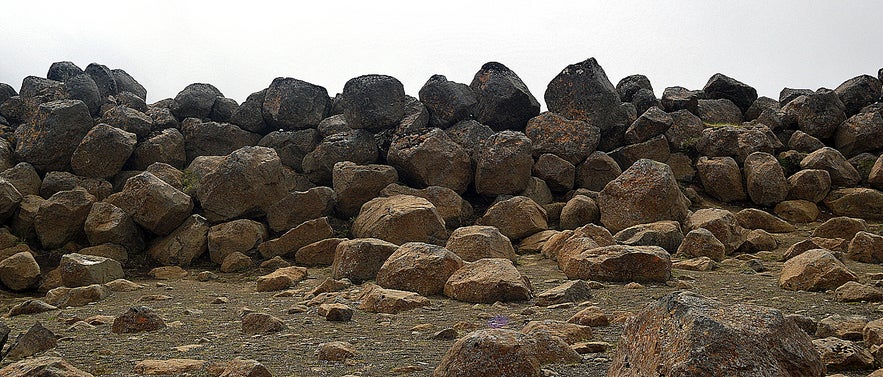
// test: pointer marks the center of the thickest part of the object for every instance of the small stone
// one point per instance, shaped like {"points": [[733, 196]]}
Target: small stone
{"points": [[336, 312], [220, 300], [36, 339], [590, 316], [275, 263], [168, 273], [583, 348], [445, 334], [123, 285], [166, 367], [281, 279], [335, 351], [31, 306], [633, 285], [261, 323], [205, 276], [137, 319]]}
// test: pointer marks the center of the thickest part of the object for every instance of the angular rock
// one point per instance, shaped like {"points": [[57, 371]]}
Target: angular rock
{"points": [[840, 227], [702, 243], [447, 102], [214, 139], [166, 367], [184, 245], [261, 323], [299, 206], [357, 146], [488, 280], [814, 270], [504, 101], [491, 352], [853, 291], [866, 247], [504, 164], [620, 263], [765, 179], [281, 279], [296, 238], [79, 270], [718, 112], [860, 133], [152, 203], [875, 176], [373, 102], [79, 296], [361, 258], [48, 366], [61, 217], [597, 171], [558, 173], [809, 184], [107, 223], [292, 146], [722, 86], [375, 299], [49, 141], [19, 271], [37, 339], [418, 267], [737, 141], [239, 236], [137, 319], [797, 211], [453, 209], [472, 243], [818, 114], [163, 146], [516, 218], [859, 92], [29, 306], [843, 355], [650, 124], [626, 200], [319, 253], [400, 219], [803, 142], [578, 211], [572, 140], [128, 120], [430, 158], [583, 92], [103, 152], [574, 291], [354, 185], [864, 203], [247, 182], [752, 218], [335, 351], [721, 223], [294, 104], [665, 234], [236, 262], [195, 100]]}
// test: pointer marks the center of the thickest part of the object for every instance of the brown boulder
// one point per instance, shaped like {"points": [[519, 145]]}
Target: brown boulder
{"points": [[103, 152], [299, 206], [60, 218], [864, 203], [419, 267], [487, 281], [281, 279], [152, 203], [797, 211], [431, 158], [866, 247], [665, 234], [644, 193], [721, 178], [78, 270], [578, 211], [354, 185], [296, 238], [721, 223], [239, 236], [453, 209], [360, 259], [620, 263], [19, 271], [596, 171], [375, 299], [571, 140], [516, 218], [400, 219], [752, 218], [246, 183], [183, 245], [491, 353], [45, 366], [814, 270], [472, 243], [840, 227], [842, 173], [702, 243], [503, 165]]}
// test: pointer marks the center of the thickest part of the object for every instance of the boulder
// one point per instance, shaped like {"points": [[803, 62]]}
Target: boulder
{"points": [[853, 291], [737, 141], [670, 337], [858, 92], [418, 267], [214, 139], [19, 271], [430, 158], [400, 219], [620, 263], [558, 173], [840, 227], [452, 208], [721, 223], [652, 123], [864, 203], [302, 235], [570, 333], [79, 270], [860, 133], [596, 171], [195, 100], [299, 206], [126, 83], [57, 181], [375, 299], [665, 234], [765, 179], [49, 366], [516, 218], [685, 131], [361, 258], [470, 135], [488, 280], [261, 323], [875, 176], [583, 92], [814, 270], [152, 203], [579, 210], [504, 101], [491, 353], [572, 140], [574, 291], [678, 98], [82, 87], [128, 119], [752, 218], [107, 223], [60, 218], [504, 164], [237, 236], [246, 183], [294, 104], [79, 296], [538, 191], [165, 146], [655, 149], [447, 102], [818, 114], [103, 77], [630, 85], [103, 152], [35, 340], [249, 115], [236, 262], [717, 112], [866, 247], [61, 71], [10, 198], [803, 142], [472, 243], [373, 102], [357, 146], [23, 177], [809, 184], [281, 279], [797, 211], [184, 245], [645, 192], [843, 355], [354, 185], [292, 146], [49, 141], [722, 86], [319, 253]]}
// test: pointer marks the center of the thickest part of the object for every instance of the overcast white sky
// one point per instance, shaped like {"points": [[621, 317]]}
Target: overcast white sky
{"points": [[241, 46]]}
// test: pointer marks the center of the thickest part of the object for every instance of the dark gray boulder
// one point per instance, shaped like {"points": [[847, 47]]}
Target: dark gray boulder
{"points": [[504, 101], [249, 115], [292, 146], [51, 139], [83, 88], [294, 104], [357, 146], [431, 158], [166, 146], [631, 85], [61, 71], [103, 77], [679, 98], [448, 102], [129, 120], [103, 152], [214, 139], [503, 167], [859, 92], [725, 87], [126, 83], [583, 92], [817, 114], [572, 140], [196, 100], [373, 102]]}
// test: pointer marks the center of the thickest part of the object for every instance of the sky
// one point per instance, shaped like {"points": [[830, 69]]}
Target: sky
{"points": [[241, 46]]}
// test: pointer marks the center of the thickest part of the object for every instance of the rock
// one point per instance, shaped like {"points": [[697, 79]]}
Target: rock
{"points": [[721, 223], [357, 146], [654, 149], [858, 202], [818, 114], [843, 355], [335, 312], [814, 270], [504, 101], [504, 164], [797, 211], [82, 87], [335, 351], [488, 280], [652, 123], [625, 200], [452, 208], [79, 296], [841, 172], [840, 227], [354, 185], [166, 367], [765, 179], [860, 133], [294, 104], [685, 131], [163, 146], [695, 264], [319, 253], [107, 223], [37, 339], [620, 263], [299, 206], [809, 184], [10, 198], [852, 291], [249, 115], [137, 319], [296, 238], [759, 240], [240, 368], [863, 163], [572, 291], [702, 243], [722, 86], [236, 262], [373, 102], [152, 203], [558, 174], [551, 349], [875, 176], [516, 218], [858, 92], [675, 329], [104, 78], [597, 171], [281, 279], [583, 92], [571, 140], [399, 219], [678, 98], [718, 112], [50, 140], [569, 332], [665, 234], [361, 258], [195, 100], [23, 177], [418, 267], [48, 366], [183, 245], [375, 299], [430, 158], [214, 139], [292, 146], [30, 306], [538, 191], [752, 218], [79, 270], [128, 120], [491, 352], [19, 271], [123, 285], [843, 327], [579, 210], [866, 247], [737, 141], [61, 71], [803, 142], [234, 236], [247, 182], [447, 102], [127, 83], [472, 243], [585, 237], [261, 323], [56, 181]]}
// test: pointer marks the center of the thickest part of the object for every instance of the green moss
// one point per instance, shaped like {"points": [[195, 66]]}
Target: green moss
{"points": [[190, 182]]}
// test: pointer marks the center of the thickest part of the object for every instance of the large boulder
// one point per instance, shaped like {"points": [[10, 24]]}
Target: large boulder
{"points": [[596, 171], [107, 223], [400, 219], [299, 206], [814, 270], [10, 198], [654, 149], [472, 243], [652, 123], [166, 146], [470, 135], [455, 210], [875, 176], [646, 192], [721, 178], [818, 114], [63, 70], [19, 271], [583, 92], [249, 115], [103, 152], [292, 146], [184, 245], [810, 185], [718, 111], [447, 102], [126, 83], [860, 133], [49, 141], [504, 164], [620, 263], [360, 259], [302, 235], [237, 236], [153, 203], [865, 203], [354, 185], [79, 270], [670, 337], [866, 247], [491, 353], [702, 243], [720, 222], [419, 267], [430, 158], [83, 88], [128, 119], [294, 104], [765, 179], [60, 218], [737, 141], [103, 77], [246, 183], [488, 280], [722, 86], [665, 234], [504, 101], [48, 366], [859, 92], [516, 218], [195, 100], [373, 102], [558, 173], [214, 139], [23, 177], [357, 146], [572, 140]]}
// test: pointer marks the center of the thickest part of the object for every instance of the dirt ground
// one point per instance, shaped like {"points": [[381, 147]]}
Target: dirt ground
{"points": [[387, 345]]}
